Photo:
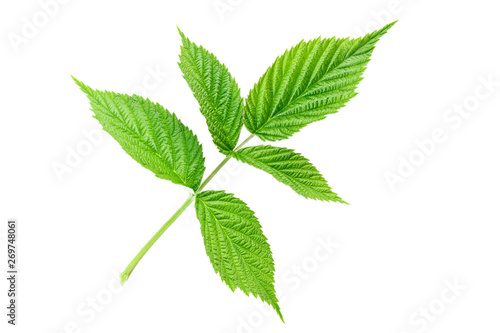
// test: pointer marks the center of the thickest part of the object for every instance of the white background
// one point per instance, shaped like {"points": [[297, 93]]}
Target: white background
{"points": [[399, 248]]}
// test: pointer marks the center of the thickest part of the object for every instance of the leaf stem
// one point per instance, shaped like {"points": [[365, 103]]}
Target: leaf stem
{"points": [[224, 161], [212, 174], [250, 137], [126, 273]]}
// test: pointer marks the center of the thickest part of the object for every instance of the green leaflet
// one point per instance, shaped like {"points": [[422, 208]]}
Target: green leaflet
{"points": [[216, 92], [291, 169], [236, 246], [306, 83], [150, 134]]}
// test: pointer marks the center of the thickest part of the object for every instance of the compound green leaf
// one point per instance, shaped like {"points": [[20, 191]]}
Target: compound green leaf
{"points": [[216, 91], [290, 168], [150, 134], [236, 246], [306, 83]]}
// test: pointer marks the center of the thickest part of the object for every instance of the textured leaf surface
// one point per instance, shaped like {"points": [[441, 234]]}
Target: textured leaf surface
{"points": [[149, 133], [216, 92], [236, 246], [291, 169], [306, 83]]}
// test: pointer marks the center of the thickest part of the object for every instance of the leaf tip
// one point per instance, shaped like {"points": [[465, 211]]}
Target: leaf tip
{"points": [[278, 311], [386, 27], [339, 200], [184, 39], [78, 82], [389, 25], [86, 89]]}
